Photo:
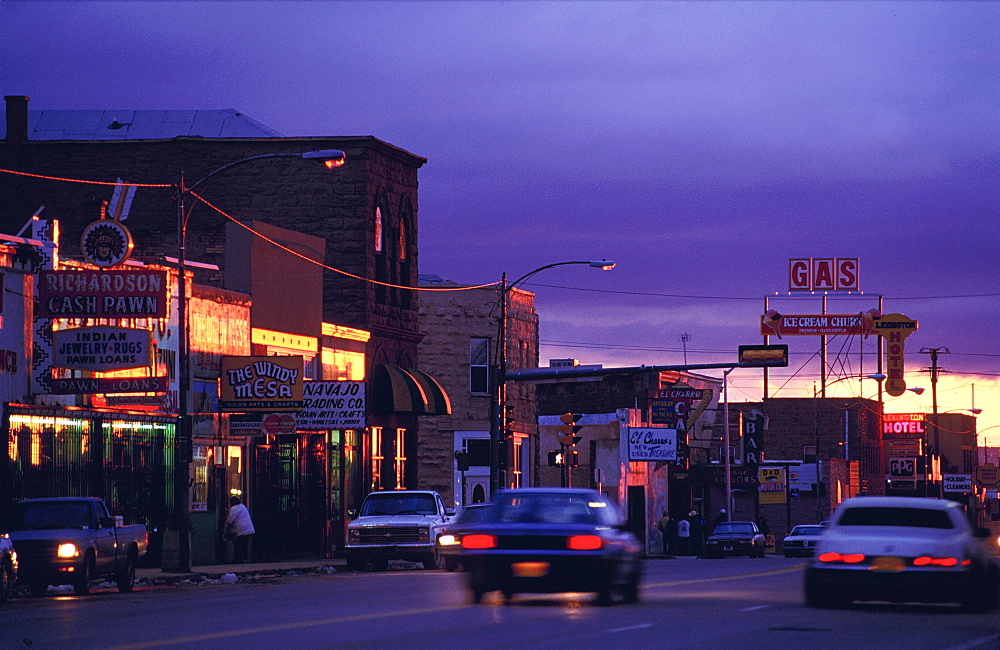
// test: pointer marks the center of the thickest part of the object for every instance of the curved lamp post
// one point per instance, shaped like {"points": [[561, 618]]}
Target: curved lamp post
{"points": [[331, 158], [499, 389]]}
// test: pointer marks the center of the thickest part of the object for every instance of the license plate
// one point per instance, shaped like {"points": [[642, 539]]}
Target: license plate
{"points": [[530, 569], [888, 563]]}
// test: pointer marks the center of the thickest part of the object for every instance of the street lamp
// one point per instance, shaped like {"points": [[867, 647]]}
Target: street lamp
{"points": [[499, 392], [331, 158]]}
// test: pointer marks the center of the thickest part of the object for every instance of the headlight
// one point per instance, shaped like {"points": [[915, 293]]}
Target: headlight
{"points": [[354, 534], [447, 540], [67, 550]]}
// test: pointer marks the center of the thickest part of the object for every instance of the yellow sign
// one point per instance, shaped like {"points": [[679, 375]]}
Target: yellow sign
{"points": [[894, 328], [261, 384], [988, 474], [772, 486]]}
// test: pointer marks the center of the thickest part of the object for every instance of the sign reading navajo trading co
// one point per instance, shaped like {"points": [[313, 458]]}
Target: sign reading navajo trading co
{"points": [[89, 293], [101, 348], [652, 444], [261, 384], [332, 405]]}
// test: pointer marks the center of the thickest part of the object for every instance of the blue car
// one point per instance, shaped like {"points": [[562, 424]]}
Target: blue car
{"points": [[551, 540]]}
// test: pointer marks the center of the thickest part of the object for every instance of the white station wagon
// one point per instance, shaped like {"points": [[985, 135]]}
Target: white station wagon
{"points": [[902, 549]]}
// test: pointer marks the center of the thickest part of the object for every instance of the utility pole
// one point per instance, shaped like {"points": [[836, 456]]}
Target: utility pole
{"points": [[935, 370]]}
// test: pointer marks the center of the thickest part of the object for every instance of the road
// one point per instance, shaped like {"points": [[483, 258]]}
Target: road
{"points": [[686, 603]]}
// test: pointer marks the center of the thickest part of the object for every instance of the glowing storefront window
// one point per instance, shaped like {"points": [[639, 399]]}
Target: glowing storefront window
{"points": [[343, 365]]}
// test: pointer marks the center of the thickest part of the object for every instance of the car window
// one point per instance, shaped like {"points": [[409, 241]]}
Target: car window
{"points": [[35, 516], [883, 516], [472, 514], [399, 504], [807, 530], [546, 509], [727, 528]]}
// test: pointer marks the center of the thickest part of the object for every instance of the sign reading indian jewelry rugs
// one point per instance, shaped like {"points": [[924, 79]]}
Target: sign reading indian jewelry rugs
{"points": [[101, 348]]}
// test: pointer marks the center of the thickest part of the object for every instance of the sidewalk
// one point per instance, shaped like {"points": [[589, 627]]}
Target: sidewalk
{"points": [[157, 576]]}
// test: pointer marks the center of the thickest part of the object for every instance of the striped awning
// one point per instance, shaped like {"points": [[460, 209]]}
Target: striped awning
{"points": [[397, 390]]}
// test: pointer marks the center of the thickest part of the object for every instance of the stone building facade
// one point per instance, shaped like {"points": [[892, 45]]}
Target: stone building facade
{"points": [[459, 348]]}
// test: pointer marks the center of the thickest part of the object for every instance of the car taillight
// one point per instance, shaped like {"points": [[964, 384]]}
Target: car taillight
{"points": [[925, 560], [584, 543], [849, 558], [479, 541]]}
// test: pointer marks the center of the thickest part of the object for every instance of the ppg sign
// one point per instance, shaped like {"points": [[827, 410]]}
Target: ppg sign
{"points": [[824, 274]]}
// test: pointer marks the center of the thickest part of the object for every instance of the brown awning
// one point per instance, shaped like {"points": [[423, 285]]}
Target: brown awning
{"points": [[397, 390]]}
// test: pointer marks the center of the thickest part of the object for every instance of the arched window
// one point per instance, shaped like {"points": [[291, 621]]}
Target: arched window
{"points": [[378, 229], [402, 239]]}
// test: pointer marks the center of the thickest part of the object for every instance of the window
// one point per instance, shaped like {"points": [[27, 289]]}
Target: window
{"points": [[378, 230], [515, 470], [479, 365], [400, 458], [402, 239], [479, 451], [376, 459]]}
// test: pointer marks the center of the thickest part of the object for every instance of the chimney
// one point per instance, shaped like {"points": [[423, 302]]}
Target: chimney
{"points": [[17, 119]]}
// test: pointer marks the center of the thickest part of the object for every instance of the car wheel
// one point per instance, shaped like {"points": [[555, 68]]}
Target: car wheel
{"points": [[38, 589], [380, 564], [6, 580], [761, 552], [451, 564], [125, 580], [630, 592], [82, 585], [355, 563]]}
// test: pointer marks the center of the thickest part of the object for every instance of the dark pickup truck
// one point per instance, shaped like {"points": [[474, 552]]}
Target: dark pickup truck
{"points": [[74, 541]]}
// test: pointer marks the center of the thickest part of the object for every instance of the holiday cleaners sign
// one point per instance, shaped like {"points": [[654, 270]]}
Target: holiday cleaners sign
{"points": [[101, 348]]}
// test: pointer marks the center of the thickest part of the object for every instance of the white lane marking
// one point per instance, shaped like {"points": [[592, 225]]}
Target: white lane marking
{"points": [[751, 609], [629, 628]]}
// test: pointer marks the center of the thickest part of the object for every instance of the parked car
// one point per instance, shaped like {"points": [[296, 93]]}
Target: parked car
{"points": [[735, 538], [74, 541], [8, 567], [551, 540], [801, 540], [902, 549], [397, 525], [449, 540]]}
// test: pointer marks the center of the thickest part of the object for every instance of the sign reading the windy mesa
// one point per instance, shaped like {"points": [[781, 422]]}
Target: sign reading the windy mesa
{"points": [[261, 384]]}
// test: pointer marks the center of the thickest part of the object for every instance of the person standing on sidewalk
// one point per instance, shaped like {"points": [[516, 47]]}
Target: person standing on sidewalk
{"points": [[663, 525], [684, 537], [239, 528], [697, 532]]}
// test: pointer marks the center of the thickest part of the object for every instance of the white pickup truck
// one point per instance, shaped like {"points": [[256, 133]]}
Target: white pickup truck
{"points": [[397, 525]]}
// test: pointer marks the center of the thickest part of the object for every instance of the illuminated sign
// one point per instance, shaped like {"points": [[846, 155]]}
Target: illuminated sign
{"points": [[824, 274], [91, 385], [902, 423], [652, 444], [88, 293], [333, 405], [106, 243], [679, 407], [101, 348], [894, 328], [261, 384], [957, 483], [772, 484], [763, 356], [774, 324]]}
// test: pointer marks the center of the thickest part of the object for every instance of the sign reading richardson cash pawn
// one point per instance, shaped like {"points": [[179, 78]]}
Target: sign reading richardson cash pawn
{"points": [[89, 293], [261, 384], [332, 405]]}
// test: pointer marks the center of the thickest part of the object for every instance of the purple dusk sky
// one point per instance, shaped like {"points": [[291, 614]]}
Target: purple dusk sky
{"points": [[700, 145]]}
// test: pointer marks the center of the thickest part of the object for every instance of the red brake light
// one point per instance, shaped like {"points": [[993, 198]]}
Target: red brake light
{"points": [[584, 543], [853, 558], [850, 558], [479, 541], [924, 560]]}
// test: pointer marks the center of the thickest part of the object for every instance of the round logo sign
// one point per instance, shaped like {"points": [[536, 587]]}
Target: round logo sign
{"points": [[106, 243]]}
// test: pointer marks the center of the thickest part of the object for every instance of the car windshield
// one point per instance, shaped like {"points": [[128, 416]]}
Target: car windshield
{"points": [[806, 530], [472, 514], [399, 504], [883, 516], [729, 528], [547, 509], [35, 516]]}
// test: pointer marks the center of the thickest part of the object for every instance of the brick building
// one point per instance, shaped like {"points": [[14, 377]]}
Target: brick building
{"points": [[459, 348]]}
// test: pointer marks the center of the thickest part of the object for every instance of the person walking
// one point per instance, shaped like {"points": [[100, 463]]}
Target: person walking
{"points": [[697, 532], [239, 528], [683, 537], [663, 525]]}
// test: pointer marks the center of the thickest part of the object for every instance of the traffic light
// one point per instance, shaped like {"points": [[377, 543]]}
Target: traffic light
{"points": [[569, 428], [462, 458], [573, 458], [508, 419], [556, 458]]}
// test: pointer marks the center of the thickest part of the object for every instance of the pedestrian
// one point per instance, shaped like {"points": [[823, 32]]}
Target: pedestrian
{"points": [[762, 525], [238, 529], [722, 516], [683, 537], [663, 525], [697, 532]]}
